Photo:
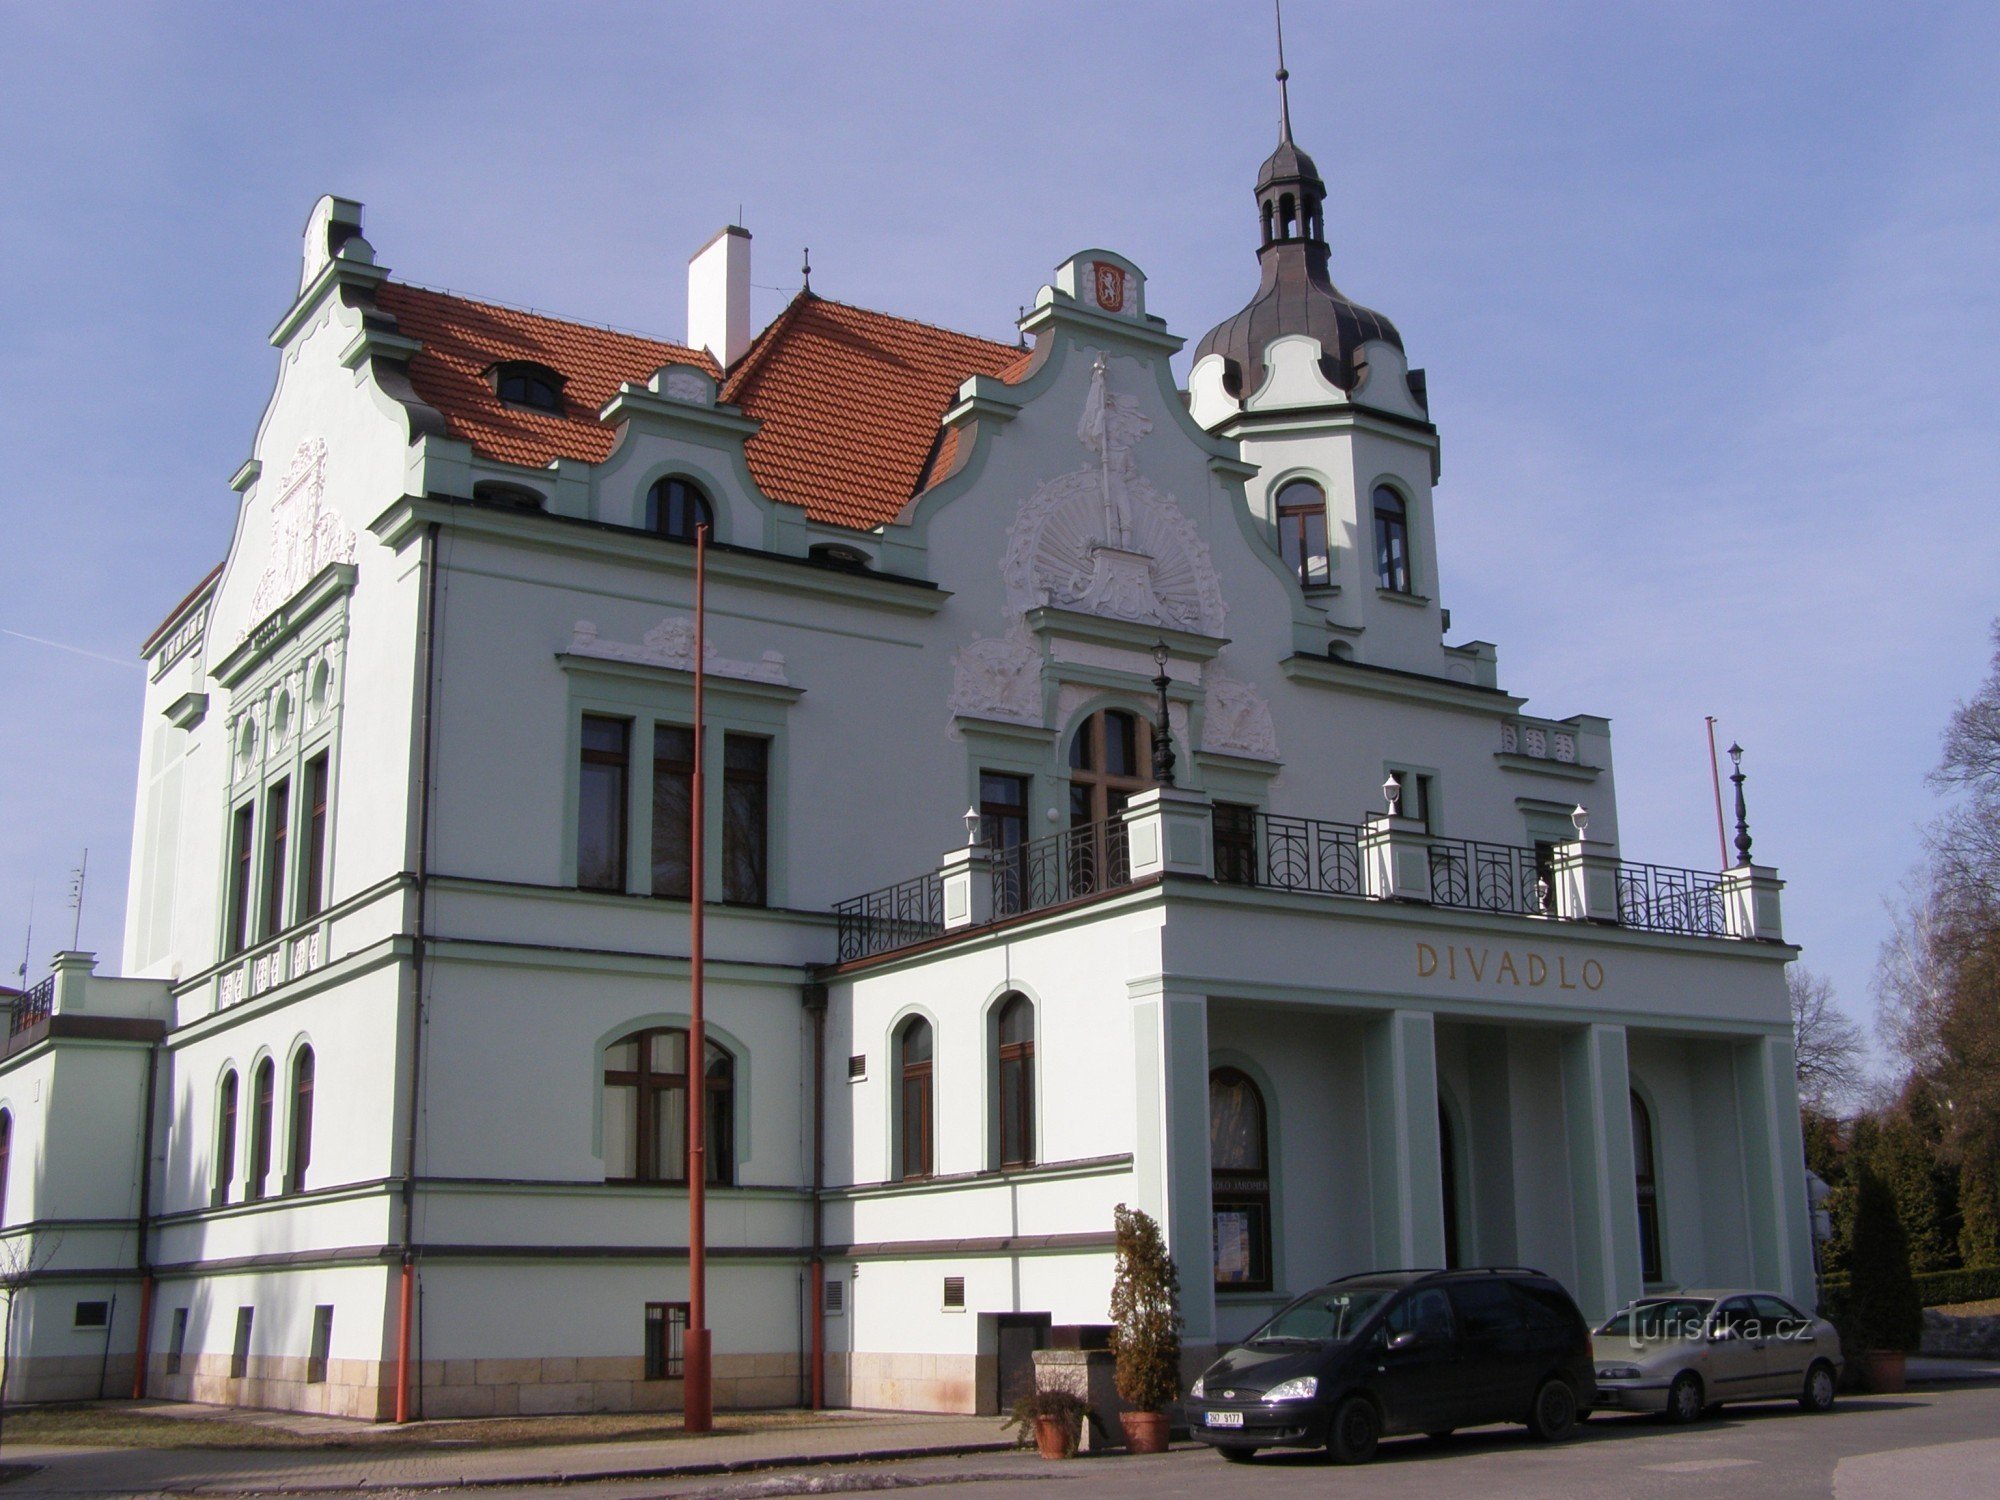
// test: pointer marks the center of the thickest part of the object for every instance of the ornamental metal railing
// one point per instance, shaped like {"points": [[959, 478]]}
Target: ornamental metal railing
{"points": [[1087, 860], [1664, 898], [36, 1005], [911, 911], [1284, 853], [1490, 877]]}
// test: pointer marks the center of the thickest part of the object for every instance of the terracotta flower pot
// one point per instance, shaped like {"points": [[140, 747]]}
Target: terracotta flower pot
{"points": [[1055, 1438], [1145, 1431], [1883, 1370]]}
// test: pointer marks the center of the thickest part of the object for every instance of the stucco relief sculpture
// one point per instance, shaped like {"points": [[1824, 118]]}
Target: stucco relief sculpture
{"points": [[670, 644], [997, 679], [1238, 721], [1105, 540], [306, 534]]}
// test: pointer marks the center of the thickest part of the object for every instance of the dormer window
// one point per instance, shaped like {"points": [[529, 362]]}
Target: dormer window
{"points": [[522, 383], [838, 555], [507, 496], [1302, 533], [1392, 541], [676, 506]]}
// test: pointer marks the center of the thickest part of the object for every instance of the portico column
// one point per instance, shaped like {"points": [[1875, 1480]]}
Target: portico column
{"points": [[1774, 1167], [1604, 1204], [1406, 1175], [1170, 1150]]}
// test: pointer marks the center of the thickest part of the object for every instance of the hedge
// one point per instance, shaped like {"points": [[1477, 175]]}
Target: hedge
{"points": [[1937, 1288]]}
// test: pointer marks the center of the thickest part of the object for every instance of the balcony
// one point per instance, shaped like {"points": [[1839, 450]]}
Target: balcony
{"points": [[76, 1001]]}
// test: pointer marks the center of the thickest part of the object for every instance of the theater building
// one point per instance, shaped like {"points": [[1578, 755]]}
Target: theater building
{"points": [[1098, 811]]}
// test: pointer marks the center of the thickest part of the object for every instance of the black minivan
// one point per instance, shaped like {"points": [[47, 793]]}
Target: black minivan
{"points": [[1400, 1351]]}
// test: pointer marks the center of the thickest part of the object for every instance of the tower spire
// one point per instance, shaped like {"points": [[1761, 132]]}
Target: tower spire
{"points": [[1284, 77]]}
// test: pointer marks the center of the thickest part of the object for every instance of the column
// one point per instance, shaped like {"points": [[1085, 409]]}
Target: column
{"points": [[1597, 1106], [1774, 1168], [1170, 832], [1170, 1149], [1406, 1179]]}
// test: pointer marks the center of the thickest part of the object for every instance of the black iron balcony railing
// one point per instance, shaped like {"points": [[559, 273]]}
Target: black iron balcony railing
{"points": [[911, 911], [1087, 860], [34, 1006], [1661, 898], [1285, 853], [1490, 877]]}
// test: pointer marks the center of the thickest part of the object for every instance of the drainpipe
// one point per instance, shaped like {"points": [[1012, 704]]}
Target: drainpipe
{"points": [[814, 997], [407, 1281], [143, 1350]]}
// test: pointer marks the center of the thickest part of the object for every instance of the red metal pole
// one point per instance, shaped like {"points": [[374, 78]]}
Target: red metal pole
{"points": [[403, 1345], [1715, 780], [697, 1402], [144, 1351]]}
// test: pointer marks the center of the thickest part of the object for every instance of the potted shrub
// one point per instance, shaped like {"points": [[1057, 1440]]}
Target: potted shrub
{"points": [[1146, 1330], [1882, 1317], [1052, 1420]]}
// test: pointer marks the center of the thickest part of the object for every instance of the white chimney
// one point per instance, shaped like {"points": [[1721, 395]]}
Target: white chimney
{"points": [[719, 296]]}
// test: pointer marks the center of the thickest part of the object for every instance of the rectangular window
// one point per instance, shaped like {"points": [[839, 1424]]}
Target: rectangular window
{"points": [[239, 1352], [322, 1344], [242, 851], [666, 1325], [177, 1340], [314, 895], [673, 811], [1003, 823], [1235, 843], [746, 791], [601, 803], [1415, 802], [836, 1298], [857, 1066], [277, 834], [93, 1315], [954, 1292]]}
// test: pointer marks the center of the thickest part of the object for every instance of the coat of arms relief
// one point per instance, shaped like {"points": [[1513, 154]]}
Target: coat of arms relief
{"points": [[306, 533]]}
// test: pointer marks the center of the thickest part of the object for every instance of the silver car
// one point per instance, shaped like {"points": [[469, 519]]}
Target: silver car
{"points": [[1687, 1354]]}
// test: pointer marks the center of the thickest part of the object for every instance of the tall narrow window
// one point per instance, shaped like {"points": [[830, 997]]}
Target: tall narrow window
{"points": [[239, 1352], [242, 855], [600, 803], [322, 1344], [6, 1157], [1392, 541], [1110, 758], [646, 1109], [673, 811], [675, 507], [277, 838], [746, 789], [913, 1066], [666, 1326], [1240, 1193], [1015, 1081], [1647, 1185], [263, 1088], [1235, 839], [177, 1336], [313, 897], [1003, 823], [302, 1121], [1448, 1179], [1302, 533], [225, 1139], [1415, 799]]}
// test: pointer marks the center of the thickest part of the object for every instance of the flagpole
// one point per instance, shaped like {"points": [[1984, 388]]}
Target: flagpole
{"points": [[697, 1410], [1715, 780]]}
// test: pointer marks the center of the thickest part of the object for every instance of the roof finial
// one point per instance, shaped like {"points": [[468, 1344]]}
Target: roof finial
{"points": [[1284, 92], [806, 270]]}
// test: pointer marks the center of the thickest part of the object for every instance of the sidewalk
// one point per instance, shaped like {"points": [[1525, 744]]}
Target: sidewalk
{"points": [[843, 1438], [1923, 1369]]}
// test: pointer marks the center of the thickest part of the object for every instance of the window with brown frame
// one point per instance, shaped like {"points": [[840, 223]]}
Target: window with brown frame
{"points": [[1014, 1080], [1003, 823], [1651, 1267], [746, 817], [646, 1109], [1392, 541], [313, 897], [676, 506], [1302, 533], [243, 854], [263, 1104], [1235, 839], [601, 803], [673, 811], [666, 1332], [277, 838], [913, 1066], [6, 1157], [1110, 758], [225, 1139], [303, 1069], [1240, 1194]]}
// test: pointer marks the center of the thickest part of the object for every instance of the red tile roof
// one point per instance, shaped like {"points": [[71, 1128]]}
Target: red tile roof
{"points": [[463, 339]]}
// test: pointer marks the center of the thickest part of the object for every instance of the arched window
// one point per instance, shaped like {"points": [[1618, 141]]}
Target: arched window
{"points": [[646, 1109], [225, 1139], [302, 1121], [508, 496], [1014, 1080], [522, 383], [6, 1157], [676, 506], [263, 1103], [1239, 1161], [1110, 758], [1650, 1266], [1392, 541], [1302, 533], [914, 1045]]}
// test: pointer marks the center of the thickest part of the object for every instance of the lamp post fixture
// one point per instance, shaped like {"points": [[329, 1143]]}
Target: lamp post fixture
{"points": [[1742, 814], [1392, 792], [972, 828], [1163, 740]]}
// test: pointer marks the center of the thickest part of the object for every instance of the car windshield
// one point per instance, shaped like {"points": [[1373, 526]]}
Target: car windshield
{"points": [[1323, 1317], [1660, 1318]]}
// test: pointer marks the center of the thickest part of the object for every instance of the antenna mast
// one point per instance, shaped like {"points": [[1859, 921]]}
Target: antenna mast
{"points": [[76, 878]]}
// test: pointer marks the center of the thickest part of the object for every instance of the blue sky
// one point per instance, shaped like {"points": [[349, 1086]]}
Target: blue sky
{"points": [[1706, 294]]}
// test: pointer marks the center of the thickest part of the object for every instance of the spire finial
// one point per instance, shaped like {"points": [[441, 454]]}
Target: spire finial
{"points": [[806, 270], [1284, 91]]}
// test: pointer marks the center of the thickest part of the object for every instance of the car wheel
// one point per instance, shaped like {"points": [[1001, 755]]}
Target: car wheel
{"points": [[1820, 1388], [1684, 1399], [1356, 1430], [1553, 1416], [1234, 1453]]}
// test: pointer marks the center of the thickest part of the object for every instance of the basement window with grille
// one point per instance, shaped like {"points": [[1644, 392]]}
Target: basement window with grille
{"points": [[954, 1294], [857, 1067], [836, 1298]]}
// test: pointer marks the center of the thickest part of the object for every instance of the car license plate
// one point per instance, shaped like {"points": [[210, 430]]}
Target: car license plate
{"points": [[1225, 1419]]}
